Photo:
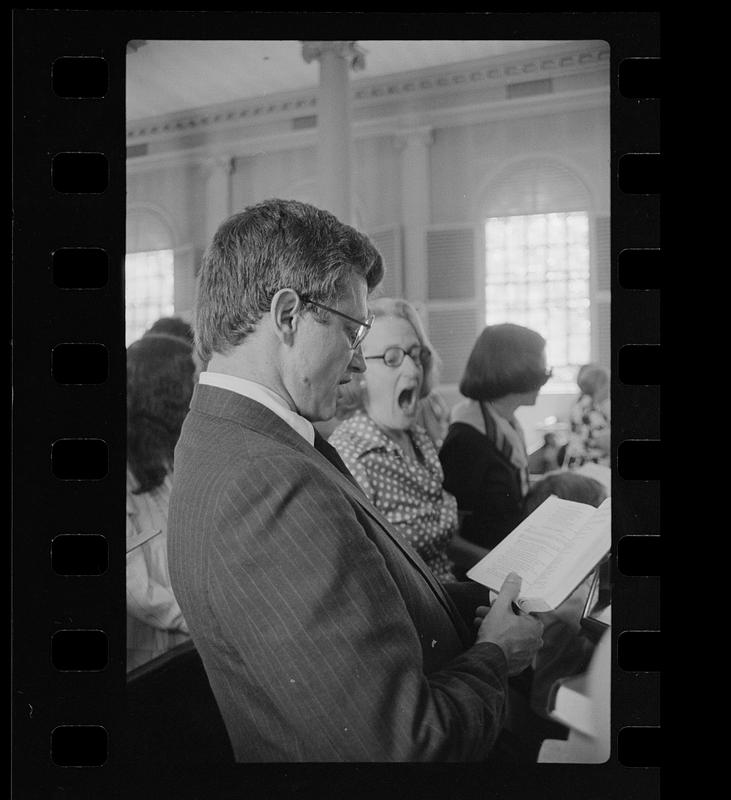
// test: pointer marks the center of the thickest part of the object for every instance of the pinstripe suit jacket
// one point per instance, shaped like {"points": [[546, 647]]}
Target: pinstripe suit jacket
{"points": [[324, 635]]}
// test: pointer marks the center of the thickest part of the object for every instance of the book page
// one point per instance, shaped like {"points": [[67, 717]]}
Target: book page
{"points": [[577, 559], [549, 550], [572, 705]]}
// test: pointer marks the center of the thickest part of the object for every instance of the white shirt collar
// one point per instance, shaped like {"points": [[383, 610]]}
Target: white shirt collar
{"points": [[265, 396]]}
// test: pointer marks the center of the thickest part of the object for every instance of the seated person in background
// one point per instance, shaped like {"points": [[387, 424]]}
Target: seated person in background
{"points": [[567, 486], [177, 326], [546, 458], [389, 454], [174, 326], [566, 651], [590, 419], [160, 373], [484, 454]]}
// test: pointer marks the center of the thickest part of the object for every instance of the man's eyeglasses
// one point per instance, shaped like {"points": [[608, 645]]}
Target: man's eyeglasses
{"points": [[356, 336], [547, 375], [394, 356]]}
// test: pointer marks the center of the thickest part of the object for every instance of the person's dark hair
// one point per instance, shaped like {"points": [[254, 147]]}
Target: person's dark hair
{"points": [[270, 246], [160, 372], [505, 359], [174, 326], [566, 485]]}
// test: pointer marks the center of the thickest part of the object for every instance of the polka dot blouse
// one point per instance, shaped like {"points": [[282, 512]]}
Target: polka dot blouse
{"points": [[408, 493]]}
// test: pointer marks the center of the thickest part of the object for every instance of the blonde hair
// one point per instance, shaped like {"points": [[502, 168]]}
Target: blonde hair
{"points": [[352, 395], [592, 378]]}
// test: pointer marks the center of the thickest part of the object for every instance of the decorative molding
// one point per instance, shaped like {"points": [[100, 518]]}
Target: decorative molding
{"points": [[351, 52], [554, 61], [484, 190], [263, 109], [391, 126], [144, 207], [559, 103], [479, 74], [199, 156]]}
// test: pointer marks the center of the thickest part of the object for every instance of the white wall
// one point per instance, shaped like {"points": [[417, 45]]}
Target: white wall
{"points": [[547, 405], [465, 158], [470, 144]]}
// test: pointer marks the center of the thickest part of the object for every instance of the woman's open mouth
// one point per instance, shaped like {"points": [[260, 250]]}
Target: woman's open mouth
{"points": [[407, 400]]}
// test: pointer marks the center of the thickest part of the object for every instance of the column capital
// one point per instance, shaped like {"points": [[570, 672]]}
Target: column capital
{"points": [[414, 137], [221, 164], [348, 51]]}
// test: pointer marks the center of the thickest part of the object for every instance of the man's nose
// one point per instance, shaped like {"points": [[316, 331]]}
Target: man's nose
{"points": [[357, 362]]}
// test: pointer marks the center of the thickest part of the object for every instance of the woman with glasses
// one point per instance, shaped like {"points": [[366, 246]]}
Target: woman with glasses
{"points": [[390, 454], [484, 453]]}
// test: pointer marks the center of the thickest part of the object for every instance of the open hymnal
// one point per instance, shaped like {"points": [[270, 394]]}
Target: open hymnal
{"points": [[552, 550]]}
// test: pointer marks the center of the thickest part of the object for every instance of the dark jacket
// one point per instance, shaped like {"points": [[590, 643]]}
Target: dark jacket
{"points": [[484, 481], [323, 635]]}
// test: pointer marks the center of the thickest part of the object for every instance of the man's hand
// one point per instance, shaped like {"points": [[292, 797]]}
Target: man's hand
{"points": [[519, 635], [569, 612]]}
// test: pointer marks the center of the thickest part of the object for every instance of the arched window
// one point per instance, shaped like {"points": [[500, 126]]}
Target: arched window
{"points": [[538, 261], [149, 268]]}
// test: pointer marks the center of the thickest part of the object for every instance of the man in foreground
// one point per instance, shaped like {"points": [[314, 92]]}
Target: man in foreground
{"points": [[324, 636]]}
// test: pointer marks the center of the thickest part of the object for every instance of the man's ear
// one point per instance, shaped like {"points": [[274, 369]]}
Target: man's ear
{"points": [[285, 314]]}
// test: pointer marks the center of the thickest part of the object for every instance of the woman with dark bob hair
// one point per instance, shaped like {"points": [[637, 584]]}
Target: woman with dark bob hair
{"points": [[484, 453], [160, 376]]}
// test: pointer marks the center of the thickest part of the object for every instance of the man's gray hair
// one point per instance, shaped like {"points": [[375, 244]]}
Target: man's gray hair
{"points": [[276, 244]]}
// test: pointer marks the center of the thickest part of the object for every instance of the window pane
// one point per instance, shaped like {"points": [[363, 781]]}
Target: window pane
{"points": [[577, 227], [149, 290], [538, 275], [556, 228], [536, 230], [496, 264]]}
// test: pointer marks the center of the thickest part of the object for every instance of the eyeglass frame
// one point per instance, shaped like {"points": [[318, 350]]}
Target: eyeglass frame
{"points": [[363, 326], [547, 375], [418, 361]]}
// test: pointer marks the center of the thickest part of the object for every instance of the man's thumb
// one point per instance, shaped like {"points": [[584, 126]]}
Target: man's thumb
{"points": [[510, 589]]}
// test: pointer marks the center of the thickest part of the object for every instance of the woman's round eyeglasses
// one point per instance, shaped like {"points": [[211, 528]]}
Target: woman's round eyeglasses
{"points": [[394, 356]]}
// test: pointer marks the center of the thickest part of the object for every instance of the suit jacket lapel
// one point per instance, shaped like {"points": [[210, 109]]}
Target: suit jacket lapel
{"points": [[332, 455], [244, 411], [351, 487]]}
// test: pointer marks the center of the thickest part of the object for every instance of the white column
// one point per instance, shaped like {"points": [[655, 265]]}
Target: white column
{"points": [[415, 208], [333, 121], [184, 286], [217, 174]]}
